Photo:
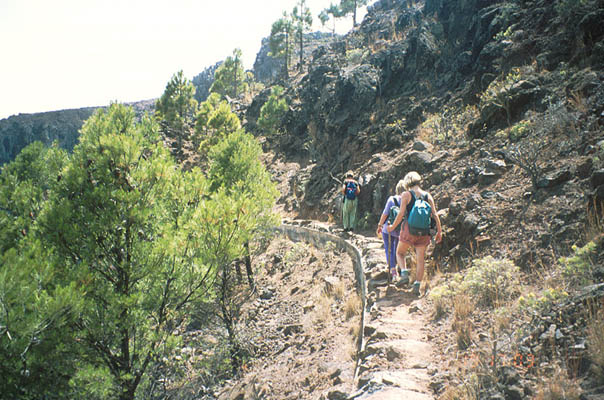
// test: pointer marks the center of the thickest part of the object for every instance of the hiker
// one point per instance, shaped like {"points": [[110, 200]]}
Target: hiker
{"points": [[391, 239], [351, 190], [415, 201]]}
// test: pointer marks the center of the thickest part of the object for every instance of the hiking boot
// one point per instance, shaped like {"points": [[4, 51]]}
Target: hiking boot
{"points": [[404, 279], [392, 275], [416, 288]]}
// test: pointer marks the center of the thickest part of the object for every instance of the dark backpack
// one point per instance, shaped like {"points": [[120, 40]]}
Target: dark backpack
{"points": [[351, 190], [394, 210], [419, 217]]}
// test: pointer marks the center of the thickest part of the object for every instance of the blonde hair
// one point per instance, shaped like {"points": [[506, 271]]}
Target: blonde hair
{"points": [[411, 179], [400, 187]]}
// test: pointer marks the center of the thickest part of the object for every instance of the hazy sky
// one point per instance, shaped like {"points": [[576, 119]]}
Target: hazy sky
{"points": [[59, 54]]}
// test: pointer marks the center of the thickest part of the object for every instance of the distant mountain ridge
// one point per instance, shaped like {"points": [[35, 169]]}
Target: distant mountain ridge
{"points": [[62, 126]]}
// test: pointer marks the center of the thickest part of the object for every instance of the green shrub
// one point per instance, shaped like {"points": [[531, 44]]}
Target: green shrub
{"points": [[578, 268], [295, 254], [504, 35], [356, 56], [519, 130], [491, 281], [536, 304], [443, 295], [488, 281]]}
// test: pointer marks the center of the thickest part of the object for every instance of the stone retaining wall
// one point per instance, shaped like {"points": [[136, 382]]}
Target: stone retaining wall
{"points": [[320, 239]]}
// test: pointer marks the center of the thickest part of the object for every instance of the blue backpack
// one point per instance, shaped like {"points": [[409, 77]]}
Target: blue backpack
{"points": [[351, 190], [394, 210], [419, 216]]}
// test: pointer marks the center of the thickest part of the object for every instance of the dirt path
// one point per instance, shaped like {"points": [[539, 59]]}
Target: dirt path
{"points": [[303, 337], [398, 358]]}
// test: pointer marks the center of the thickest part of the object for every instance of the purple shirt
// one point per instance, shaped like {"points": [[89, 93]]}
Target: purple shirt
{"points": [[386, 212]]}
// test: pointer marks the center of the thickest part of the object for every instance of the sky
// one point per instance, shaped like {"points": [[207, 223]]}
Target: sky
{"points": [[61, 54]]}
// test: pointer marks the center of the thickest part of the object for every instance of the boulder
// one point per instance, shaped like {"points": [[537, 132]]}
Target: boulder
{"points": [[418, 161], [597, 178], [555, 179]]}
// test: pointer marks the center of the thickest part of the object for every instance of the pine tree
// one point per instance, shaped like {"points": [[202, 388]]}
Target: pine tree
{"points": [[177, 105], [214, 121], [272, 111], [24, 183], [36, 345], [123, 225], [333, 12], [230, 79], [241, 181], [302, 20], [280, 40], [351, 6]]}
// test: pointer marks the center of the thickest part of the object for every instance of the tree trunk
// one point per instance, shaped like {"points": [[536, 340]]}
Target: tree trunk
{"points": [[128, 390], [286, 55], [235, 80], [301, 47], [248, 265], [229, 324]]}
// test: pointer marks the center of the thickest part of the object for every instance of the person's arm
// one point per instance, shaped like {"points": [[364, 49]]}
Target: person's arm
{"points": [[358, 189], [439, 231], [381, 224], [401, 213]]}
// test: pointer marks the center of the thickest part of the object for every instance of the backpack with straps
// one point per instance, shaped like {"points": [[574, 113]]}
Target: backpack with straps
{"points": [[394, 210], [351, 190], [419, 217]]}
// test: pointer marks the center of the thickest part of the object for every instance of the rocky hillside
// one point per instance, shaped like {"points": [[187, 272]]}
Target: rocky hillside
{"points": [[500, 106], [268, 69], [471, 81]]}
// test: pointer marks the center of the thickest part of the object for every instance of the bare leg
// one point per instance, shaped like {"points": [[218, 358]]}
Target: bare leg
{"points": [[420, 254], [401, 250]]}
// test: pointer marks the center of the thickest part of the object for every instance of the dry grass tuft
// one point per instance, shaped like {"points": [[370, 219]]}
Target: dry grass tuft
{"points": [[558, 386], [339, 291], [353, 306], [322, 311], [469, 390], [595, 338], [462, 325]]}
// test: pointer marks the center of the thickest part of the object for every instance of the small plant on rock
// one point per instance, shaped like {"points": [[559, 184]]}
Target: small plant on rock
{"points": [[519, 130], [469, 389], [527, 155], [356, 56], [498, 93]]}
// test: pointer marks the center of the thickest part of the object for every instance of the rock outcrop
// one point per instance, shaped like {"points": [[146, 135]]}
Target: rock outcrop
{"points": [[203, 81]]}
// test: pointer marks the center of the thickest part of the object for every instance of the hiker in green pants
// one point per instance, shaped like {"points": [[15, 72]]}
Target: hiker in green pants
{"points": [[351, 190]]}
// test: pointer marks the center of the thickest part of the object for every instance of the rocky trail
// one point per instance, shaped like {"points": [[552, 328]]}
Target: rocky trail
{"points": [[324, 359], [397, 361]]}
